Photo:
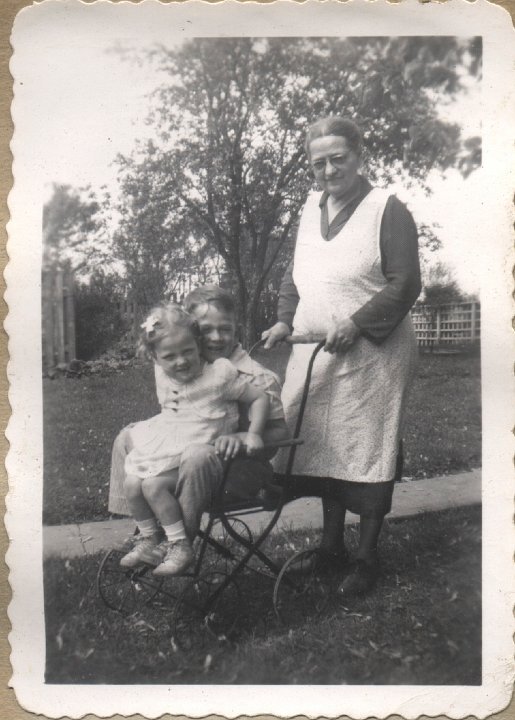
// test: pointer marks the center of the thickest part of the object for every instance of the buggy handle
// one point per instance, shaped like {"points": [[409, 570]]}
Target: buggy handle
{"points": [[289, 442], [283, 443], [304, 339], [293, 340]]}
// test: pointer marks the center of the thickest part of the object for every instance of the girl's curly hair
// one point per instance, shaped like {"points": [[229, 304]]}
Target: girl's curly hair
{"points": [[161, 322]]}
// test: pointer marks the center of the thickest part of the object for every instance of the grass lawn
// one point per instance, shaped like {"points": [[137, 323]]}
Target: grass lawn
{"points": [[83, 416], [421, 626]]}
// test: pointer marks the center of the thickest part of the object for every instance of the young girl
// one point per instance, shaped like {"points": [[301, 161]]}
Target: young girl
{"points": [[198, 406]]}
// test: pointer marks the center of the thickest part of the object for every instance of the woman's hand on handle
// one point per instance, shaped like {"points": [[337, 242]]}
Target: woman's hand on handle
{"points": [[275, 334], [341, 336]]}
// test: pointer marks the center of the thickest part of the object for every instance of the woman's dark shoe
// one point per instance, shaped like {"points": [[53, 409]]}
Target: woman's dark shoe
{"points": [[360, 579], [335, 560], [323, 562]]}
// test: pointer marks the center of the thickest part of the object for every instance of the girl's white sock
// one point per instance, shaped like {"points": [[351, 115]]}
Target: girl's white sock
{"points": [[175, 531], [147, 528]]}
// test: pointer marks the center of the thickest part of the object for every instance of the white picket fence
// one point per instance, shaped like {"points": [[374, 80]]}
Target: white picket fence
{"points": [[449, 325]]}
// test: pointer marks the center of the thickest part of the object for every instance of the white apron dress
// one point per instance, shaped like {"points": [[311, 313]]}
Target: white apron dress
{"points": [[352, 422]]}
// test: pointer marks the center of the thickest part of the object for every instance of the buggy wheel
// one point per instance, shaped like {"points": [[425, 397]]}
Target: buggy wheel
{"points": [[126, 590], [231, 551], [304, 587], [197, 616]]}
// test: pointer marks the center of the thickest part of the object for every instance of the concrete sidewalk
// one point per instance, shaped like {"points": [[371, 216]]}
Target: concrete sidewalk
{"points": [[410, 498]]}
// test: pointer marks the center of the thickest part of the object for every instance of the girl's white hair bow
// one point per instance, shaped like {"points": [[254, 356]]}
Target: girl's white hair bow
{"points": [[150, 323]]}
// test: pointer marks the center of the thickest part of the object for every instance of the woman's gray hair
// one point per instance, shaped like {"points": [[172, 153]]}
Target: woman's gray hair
{"points": [[335, 125]]}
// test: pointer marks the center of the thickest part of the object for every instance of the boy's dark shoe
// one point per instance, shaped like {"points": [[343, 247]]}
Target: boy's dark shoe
{"points": [[360, 579]]}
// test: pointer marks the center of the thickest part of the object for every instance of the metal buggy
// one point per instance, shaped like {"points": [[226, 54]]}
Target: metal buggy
{"points": [[209, 597]]}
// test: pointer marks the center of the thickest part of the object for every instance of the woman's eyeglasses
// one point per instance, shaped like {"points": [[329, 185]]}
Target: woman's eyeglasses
{"points": [[337, 161]]}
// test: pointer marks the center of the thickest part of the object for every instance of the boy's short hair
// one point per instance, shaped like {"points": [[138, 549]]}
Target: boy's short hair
{"points": [[212, 295]]}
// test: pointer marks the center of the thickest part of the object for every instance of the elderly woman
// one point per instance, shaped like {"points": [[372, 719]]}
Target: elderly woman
{"points": [[354, 276]]}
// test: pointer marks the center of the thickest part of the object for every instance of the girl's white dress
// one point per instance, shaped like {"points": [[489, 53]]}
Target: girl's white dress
{"points": [[191, 413]]}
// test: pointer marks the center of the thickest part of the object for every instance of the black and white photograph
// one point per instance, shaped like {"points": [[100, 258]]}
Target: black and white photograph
{"points": [[312, 218]]}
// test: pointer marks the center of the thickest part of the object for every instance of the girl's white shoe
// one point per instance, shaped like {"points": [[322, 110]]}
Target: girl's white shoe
{"points": [[145, 550], [177, 556]]}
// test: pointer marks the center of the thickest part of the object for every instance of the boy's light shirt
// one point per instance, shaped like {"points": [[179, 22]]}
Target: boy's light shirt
{"points": [[262, 378]]}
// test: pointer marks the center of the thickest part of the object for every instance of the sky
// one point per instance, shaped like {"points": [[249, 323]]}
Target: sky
{"points": [[92, 105]]}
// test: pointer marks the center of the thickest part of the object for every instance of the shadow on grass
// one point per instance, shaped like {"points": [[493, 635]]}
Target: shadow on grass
{"points": [[422, 625]]}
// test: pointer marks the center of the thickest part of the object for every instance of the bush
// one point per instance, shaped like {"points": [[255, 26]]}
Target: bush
{"points": [[98, 321]]}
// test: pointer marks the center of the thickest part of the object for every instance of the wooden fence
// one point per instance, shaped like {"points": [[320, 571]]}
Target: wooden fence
{"points": [[455, 325], [58, 317], [131, 316], [447, 326]]}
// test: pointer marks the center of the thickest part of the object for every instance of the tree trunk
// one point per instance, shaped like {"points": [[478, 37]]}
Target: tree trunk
{"points": [[249, 333], [251, 318]]}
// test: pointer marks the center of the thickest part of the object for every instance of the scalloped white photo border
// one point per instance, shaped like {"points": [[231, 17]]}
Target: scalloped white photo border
{"points": [[23, 325]]}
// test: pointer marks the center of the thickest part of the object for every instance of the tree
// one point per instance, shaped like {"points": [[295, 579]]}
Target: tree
{"points": [[440, 287], [73, 229], [228, 167], [159, 257], [75, 238]]}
